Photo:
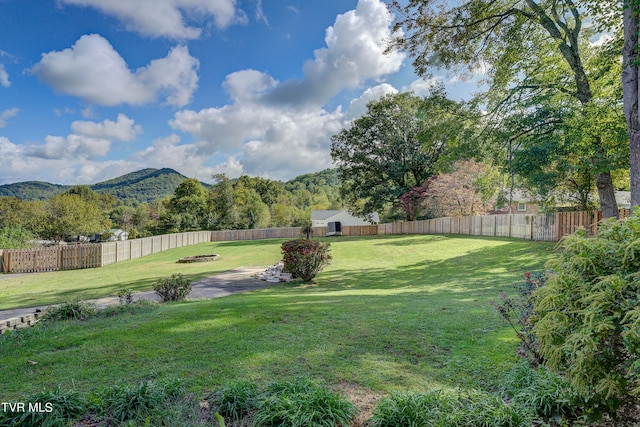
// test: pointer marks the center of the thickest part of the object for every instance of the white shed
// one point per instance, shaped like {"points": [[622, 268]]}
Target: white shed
{"points": [[322, 218]]}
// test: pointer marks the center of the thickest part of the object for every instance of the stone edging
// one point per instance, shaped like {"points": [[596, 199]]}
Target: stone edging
{"points": [[20, 322]]}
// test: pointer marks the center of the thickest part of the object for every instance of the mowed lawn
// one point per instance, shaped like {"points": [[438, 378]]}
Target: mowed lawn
{"points": [[390, 313]]}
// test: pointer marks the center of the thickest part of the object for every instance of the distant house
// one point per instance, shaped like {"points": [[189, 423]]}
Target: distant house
{"points": [[322, 218], [118, 234], [524, 204]]}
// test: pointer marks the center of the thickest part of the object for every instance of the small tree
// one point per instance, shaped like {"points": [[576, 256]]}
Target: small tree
{"points": [[587, 316], [305, 258]]}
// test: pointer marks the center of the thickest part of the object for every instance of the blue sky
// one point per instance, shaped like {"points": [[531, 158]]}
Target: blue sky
{"points": [[93, 89]]}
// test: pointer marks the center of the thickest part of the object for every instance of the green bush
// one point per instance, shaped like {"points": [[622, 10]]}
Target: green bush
{"points": [[70, 310], [173, 288], [302, 403], [447, 409], [305, 258], [587, 316]]}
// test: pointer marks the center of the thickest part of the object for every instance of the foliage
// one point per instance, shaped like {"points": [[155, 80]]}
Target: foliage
{"points": [[442, 408], [541, 392], [532, 50], [517, 311], [74, 309], [125, 296], [15, 237], [396, 145], [466, 191], [412, 202], [190, 201], [305, 258], [56, 408], [173, 288], [587, 316], [151, 202], [236, 400], [71, 215], [302, 403], [123, 402]]}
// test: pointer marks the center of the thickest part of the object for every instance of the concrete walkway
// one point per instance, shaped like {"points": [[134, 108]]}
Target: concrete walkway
{"points": [[230, 282]]}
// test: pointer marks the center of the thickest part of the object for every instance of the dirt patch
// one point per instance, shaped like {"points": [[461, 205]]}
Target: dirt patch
{"points": [[199, 258], [364, 399]]}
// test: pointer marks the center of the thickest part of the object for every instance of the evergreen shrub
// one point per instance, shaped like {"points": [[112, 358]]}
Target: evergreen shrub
{"points": [[587, 316]]}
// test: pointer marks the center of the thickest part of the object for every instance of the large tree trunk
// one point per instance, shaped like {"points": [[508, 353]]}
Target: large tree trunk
{"points": [[630, 94], [607, 195]]}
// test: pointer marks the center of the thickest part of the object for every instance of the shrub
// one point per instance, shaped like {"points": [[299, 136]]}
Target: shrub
{"points": [[125, 296], [173, 288], [303, 403], [305, 258], [70, 310], [451, 409], [587, 317], [517, 311]]}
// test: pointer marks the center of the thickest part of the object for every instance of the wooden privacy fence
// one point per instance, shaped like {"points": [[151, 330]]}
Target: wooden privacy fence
{"points": [[113, 252], [568, 222], [91, 255], [550, 227], [71, 257]]}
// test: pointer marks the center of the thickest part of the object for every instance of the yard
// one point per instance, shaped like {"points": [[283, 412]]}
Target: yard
{"points": [[390, 313]]}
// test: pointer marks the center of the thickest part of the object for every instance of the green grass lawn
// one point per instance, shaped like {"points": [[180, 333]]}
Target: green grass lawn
{"points": [[390, 313]]}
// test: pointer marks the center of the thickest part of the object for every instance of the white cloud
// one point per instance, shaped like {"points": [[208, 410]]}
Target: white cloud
{"points": [[90, 140], [354, 53], [4, 76], [423, 87], [260, 15], [358, 106], [248, 85], [279, 129], [123, 129], [92, 70], [167, 18], [18, 165], [232, 168], [6, 115]]}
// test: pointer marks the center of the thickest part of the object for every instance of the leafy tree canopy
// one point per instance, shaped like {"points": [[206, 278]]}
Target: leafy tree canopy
{"points": [[396, 145]]}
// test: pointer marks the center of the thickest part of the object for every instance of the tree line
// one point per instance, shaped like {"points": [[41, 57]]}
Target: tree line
{"points": [[549, 115], [246, 202]]}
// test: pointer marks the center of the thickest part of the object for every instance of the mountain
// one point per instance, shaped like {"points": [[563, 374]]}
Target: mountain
{"points": [[144, 185], [32, 190]]}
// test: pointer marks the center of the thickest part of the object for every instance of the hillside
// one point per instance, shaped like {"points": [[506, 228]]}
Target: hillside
{"points": [[32, 190], [144, 185], [147, 185]]}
